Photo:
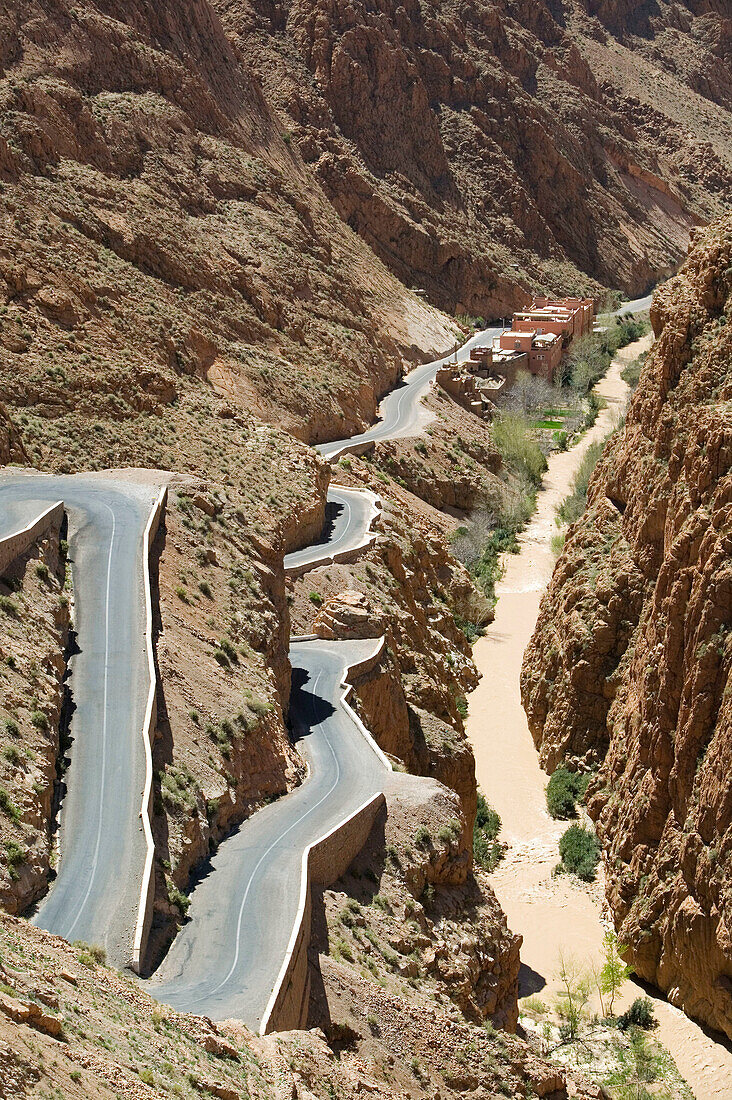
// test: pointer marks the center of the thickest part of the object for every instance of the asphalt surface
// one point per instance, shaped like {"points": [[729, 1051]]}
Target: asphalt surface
{"points": [[638, 305], [95, 895], [399, 411], [226, 958], [348, 516]]}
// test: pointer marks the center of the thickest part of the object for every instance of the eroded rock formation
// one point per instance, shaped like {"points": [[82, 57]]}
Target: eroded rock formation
{"points": [[631, 661]]}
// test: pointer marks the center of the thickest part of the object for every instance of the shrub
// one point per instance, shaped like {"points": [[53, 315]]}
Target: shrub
{"points": [[631, 373], [39, 720], [580, 852], [180, 900], [12, 755], [422, 837], [229, 649], [558, 544], [90, 954], [315, 598], [487, 850], [9, 606], [221, 658], [574, 505], [12, 728], [259, 706], [15, 857], [514, 440], [640, 1014], [448, 833], [564, 790], [42, 571], [205, 588], [8, 806]]}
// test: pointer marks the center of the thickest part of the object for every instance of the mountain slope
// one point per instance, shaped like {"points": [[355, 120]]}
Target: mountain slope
{"points": [[630, 665]]}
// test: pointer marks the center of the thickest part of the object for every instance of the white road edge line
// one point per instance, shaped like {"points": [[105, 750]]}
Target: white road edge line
{"points": [[138, 943], [305, 862], [273, 845], [95, 860]]}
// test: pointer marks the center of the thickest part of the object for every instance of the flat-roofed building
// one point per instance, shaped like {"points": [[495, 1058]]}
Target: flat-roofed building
{"points": [[582, 311], [543, 350]]}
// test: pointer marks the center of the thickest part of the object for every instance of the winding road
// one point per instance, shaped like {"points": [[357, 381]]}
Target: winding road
{"points": [[225, 959], [399, 412], [95, 896], [349, 514]]}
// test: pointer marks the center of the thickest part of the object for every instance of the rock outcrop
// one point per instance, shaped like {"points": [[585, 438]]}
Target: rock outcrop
{"points": [[348, 615], [34, 629], [630, 665], [472, 145]]}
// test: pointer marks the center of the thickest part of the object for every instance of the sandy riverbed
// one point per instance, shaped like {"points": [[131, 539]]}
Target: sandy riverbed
{"points": [[554, 915]]}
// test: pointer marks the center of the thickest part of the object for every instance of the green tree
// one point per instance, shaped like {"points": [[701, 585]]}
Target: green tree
{"points": [[614, 971], [572, 1000]]}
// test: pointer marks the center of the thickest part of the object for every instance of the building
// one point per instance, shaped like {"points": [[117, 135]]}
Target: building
{"points": [[545, 330], [541, 351], [581, 311]]}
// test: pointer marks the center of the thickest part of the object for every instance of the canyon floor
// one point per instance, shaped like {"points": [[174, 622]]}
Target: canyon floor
{"points": [[554, 914]]}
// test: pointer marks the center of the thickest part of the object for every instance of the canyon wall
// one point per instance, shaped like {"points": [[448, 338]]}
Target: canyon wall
{"points": [[34, 632], [234, 197], [481, 148], [631, 661]]}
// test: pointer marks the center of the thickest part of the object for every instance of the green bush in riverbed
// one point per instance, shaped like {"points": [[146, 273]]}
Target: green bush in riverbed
{"points": [[514, 439], [574, 505], [564, 790], [580, 852], [487, 849]]}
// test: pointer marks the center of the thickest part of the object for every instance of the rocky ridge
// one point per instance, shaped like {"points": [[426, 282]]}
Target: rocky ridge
{"points": [[480, 149], [35, 610], [629, 666]]}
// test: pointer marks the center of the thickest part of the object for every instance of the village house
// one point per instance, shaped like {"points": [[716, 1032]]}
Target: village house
{"points": [[536, 342]]}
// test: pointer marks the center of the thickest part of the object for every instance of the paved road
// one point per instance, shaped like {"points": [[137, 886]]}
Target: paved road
{"points": [[348, 516], [399, 411], [638, 305], [226, 958], [96, 893]]}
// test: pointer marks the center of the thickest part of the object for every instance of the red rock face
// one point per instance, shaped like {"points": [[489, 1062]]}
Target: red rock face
{"points": [[631, 660], [475, 144]]}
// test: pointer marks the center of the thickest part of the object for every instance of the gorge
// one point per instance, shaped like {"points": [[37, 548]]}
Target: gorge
{"points": [[234, 239]]}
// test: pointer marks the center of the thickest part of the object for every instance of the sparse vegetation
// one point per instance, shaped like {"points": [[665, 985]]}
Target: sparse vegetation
{"points": [[564, 790], [580, 852], [640, 1014], [574, 505], [8, 806], [90, 954], [487, 850]]}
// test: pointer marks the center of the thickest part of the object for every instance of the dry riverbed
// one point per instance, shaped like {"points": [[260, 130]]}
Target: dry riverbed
{"points": [[559, 914]]}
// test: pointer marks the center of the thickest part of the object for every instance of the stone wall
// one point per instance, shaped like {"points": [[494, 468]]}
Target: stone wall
{"points": [[20, 541], [323, 863]]}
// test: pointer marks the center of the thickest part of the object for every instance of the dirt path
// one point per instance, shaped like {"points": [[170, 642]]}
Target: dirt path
{"points": [[553, 914]]}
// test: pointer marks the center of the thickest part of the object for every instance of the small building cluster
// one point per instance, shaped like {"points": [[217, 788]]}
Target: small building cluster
{"points": [[536, 342]]}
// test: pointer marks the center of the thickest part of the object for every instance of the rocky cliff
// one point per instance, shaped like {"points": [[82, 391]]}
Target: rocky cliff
{"points": [[71, 1026], [631, 661], [34, 630], [477, 147], [233, 195]]}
